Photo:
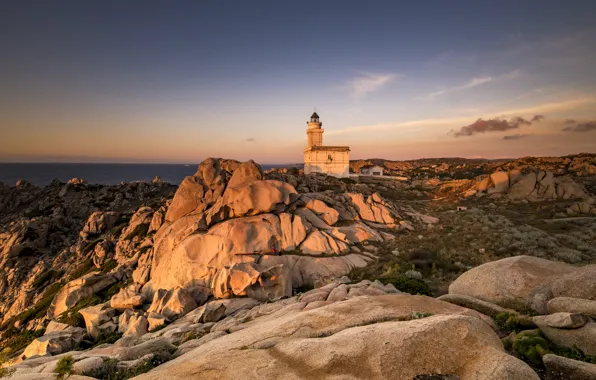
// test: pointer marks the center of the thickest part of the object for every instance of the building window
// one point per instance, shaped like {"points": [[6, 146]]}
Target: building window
{"points": [[329, 158]]}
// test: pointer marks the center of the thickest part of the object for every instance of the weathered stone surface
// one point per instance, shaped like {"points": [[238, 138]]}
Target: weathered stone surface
{"points": [[523, 187], [328, 214], [561, 320], [96, 316], [56, 326], [320, 242], [78, 289], [480, 306], [250, 199], [87, 365], [252, 280], [370, 210], [500, 183], [155, 320], [55, 342], [350, 342], [581, 283], [172, 303], [567, 188], [126, 298], [192, 344], [559, 367], [583, 338], [99, 222], [513, 282], [572, 305], [247, 172]]}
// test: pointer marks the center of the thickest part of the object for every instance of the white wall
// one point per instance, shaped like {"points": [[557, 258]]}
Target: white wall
{"points": [[371, 171], [318, 161]]}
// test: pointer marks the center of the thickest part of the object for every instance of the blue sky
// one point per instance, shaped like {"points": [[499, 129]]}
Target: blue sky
{"points": [[160, 81]]}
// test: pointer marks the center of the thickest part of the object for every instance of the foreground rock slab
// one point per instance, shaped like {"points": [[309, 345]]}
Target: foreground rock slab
{"points": [[367, 337], [559, 367]]}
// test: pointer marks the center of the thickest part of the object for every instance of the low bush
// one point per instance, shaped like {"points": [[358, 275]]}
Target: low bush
{"points": [[64, 367], [110, 371], [408, 285], [139, 231]]}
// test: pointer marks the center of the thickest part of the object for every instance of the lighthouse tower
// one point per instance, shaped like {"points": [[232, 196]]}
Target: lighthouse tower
{"points": [[314, 131], [330, 160]]}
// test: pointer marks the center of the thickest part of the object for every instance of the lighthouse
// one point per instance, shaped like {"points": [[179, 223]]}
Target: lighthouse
{"points": [[330, 160]]}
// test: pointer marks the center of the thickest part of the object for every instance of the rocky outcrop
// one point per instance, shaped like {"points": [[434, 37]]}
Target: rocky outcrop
{"points": [[98, 319], [246, 218]]}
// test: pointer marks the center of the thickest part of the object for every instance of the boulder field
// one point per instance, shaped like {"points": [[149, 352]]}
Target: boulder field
{"points": [[215, 283]]}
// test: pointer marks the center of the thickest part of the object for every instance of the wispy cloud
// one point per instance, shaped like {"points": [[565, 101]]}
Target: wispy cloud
{"points": [[474, 82], [537, 110], [250, 139], [515, 137], [581, 127], [368, 83]]}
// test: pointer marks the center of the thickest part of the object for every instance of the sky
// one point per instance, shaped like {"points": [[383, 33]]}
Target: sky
{"points": [[179, 81]]}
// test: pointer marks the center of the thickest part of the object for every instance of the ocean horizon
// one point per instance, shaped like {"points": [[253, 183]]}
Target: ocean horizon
{"points": [[41, 174]]}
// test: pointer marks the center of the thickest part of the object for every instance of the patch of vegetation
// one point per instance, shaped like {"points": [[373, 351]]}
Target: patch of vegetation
{"points": [[513, 322], [107, 338], [38, 310], [6, 372], [72, 316], [13, 343], [45, 277], [91, 245], [531, 345], [64, 367], [420, 315], [303, 289], [85, 267], [110, 371], [108, 265], [409, 285], [139, 231]]}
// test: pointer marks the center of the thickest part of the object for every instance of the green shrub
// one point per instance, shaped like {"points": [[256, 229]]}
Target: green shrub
{"points": [[85, 267], [409, 285], [72, 316], [108, 265], [110, 371], [528, 345], [513, 322], [64, 367], [17, 341], [420, 315], [6, 372], [43, 278], [140, 231], [107, 338]]}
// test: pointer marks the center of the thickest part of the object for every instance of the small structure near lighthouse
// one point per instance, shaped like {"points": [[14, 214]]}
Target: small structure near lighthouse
{"points": [[330, 160]]}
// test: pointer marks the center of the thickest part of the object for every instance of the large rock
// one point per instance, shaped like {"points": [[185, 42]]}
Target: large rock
{"points": [[96, 318], [78, 289], [328, 214], [572, 305], [247, 172], [371, 210], [523, 187], [583, 338], [173, 303], [99, 222], [559, 367], [567, 188], [561, 320], [252, 280], [198, 192], [581, 283], [126, 298], [520, 282], [250, 199], [500, 183], [55, 342], [364, 337]]}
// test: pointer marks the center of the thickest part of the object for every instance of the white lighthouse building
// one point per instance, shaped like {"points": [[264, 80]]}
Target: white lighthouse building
{"points": [[330, 160]]}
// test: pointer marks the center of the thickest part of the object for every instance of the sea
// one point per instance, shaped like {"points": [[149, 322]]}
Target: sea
{"points": [[41, 174]]}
